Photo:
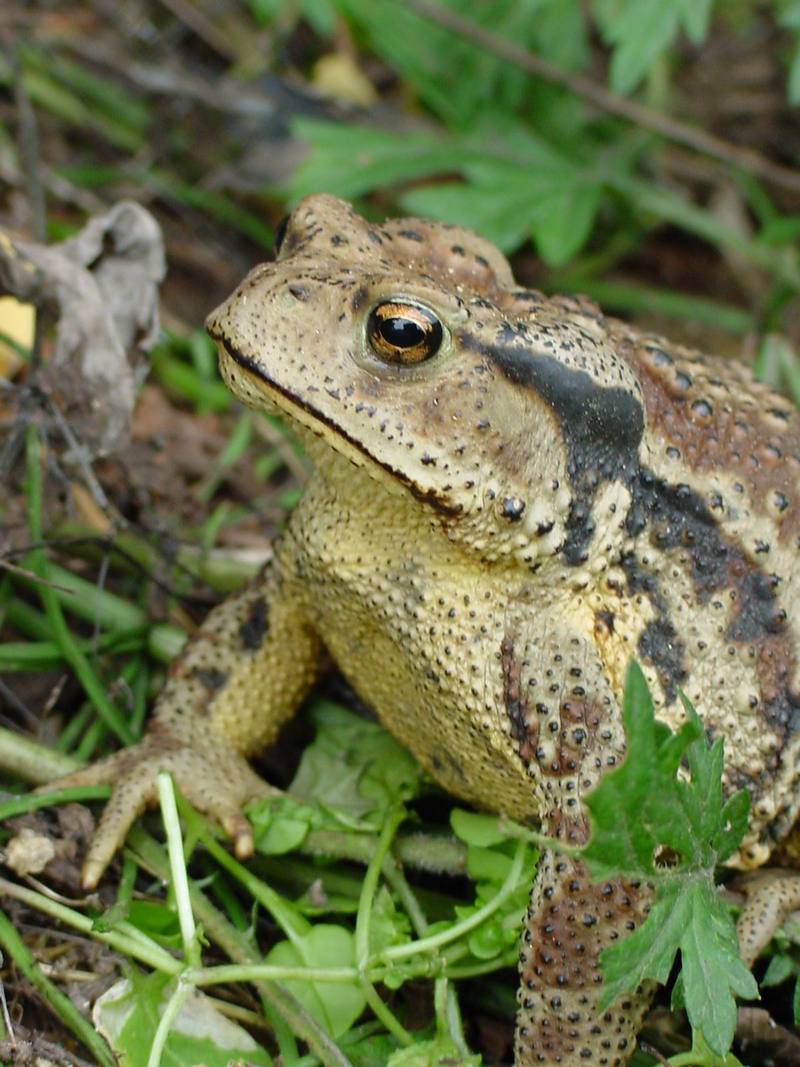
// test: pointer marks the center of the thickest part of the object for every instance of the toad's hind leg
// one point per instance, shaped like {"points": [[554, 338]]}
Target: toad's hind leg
{"points": [[772, 895], [567, 740]]}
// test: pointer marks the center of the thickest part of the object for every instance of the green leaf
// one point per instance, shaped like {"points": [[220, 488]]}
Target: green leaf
{"points": [[711, 967], [335, 1005], [441, 1052], [387, 925], [127, 1016], [646, 32], [779, 969], [156, 920], [557, 205], [788, 16], [350, 160], [277, 833], [354, 767], [453, 77], [487, 864], [321, 14], [560, 33], [695, 16], [476, 829], [643, 813]]}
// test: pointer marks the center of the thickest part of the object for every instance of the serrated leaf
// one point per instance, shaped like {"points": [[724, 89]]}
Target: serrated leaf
{"points": [[649, 952], [350, 160], [640, 33], [734, 825], [453, 76], [695, 16], [711, 968], [643, 811], [550, 198]]}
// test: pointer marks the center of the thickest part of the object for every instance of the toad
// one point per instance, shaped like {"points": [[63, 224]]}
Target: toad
{"points": [[512, 496]]}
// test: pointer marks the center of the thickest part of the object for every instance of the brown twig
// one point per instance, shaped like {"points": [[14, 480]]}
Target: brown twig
{"points": [[605, 100]]}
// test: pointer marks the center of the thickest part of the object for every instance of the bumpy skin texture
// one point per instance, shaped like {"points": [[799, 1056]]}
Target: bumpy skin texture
{"points": [[489, 536]]}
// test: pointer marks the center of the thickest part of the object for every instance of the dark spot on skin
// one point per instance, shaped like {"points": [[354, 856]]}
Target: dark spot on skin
{"points": [[359, 298], [659, 357], [211, 679], [256, 626], [513, 508], [337, 239], [606, 620], [412, 235]]}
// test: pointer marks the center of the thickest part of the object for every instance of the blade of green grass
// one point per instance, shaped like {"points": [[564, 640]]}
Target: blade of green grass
{"points": [[61, 634]]}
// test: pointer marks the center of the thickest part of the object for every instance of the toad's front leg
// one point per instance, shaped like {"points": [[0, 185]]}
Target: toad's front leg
{"points": [[569, 733], [569, 921], [240, 677]]}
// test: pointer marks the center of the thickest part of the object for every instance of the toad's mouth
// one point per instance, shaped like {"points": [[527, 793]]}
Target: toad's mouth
{"points": [[322, 426]]}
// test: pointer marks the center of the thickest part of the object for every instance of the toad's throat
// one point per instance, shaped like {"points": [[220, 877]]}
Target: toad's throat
{"points": [[318, 422]]}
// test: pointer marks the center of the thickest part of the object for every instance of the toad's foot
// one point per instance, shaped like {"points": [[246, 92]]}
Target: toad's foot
{"points": [[772, 894], [216, 780]]}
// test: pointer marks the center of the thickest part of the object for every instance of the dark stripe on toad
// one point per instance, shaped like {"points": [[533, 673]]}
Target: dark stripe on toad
{"points": [[676, 517], [658, 643], [602, 427], [516, 704]]}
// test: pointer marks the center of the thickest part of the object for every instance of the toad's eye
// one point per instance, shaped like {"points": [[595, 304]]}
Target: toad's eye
{"points": [[404, 333]]}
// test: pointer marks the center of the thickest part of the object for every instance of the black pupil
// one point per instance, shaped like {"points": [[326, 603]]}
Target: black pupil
{"points": [[402, 333]]}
